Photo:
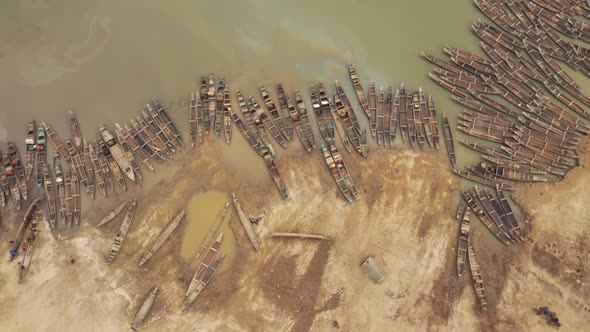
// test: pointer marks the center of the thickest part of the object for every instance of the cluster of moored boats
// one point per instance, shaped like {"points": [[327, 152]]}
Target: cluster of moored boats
{"points": [[537, 124]]}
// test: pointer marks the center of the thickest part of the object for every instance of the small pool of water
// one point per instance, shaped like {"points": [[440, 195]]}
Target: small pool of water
{"points": [[202, 216]]}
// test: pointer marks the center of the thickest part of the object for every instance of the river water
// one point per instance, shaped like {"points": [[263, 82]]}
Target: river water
{"points": [[105, 59]]}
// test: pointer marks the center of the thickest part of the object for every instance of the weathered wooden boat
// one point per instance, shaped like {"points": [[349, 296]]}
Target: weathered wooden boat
{"points": [[159, 129], [243, 128], [387, 110], [162, 126], [205, 105], [227, 131], [256, 133], [89, 169], [213, 230], [128, 154], [285, 103], [264, 123], [18, 239], [152, 136], [117, 153], [162, 238], [395, 116], [77, 164], [205, 262], [50, 197], [348, 106], [164, 118], [333, 167], [59, 186], [468, 175], [144, 309], [372, 108], [76, 134], [403, 113], [475, 207], [29, 247], [414, 119], [433, 122], [323, 115], [274, 112], [349, 133], [338, 125], [449, 87], [379, 116], [218, 124], [450, 144], [302, 111], [203, 281], [491, 212], [513, 174], [246, 221], [514, 227], [274, 173], [112, 214], [476, 276], [19, 171], [120, 237], [358, 89], [10, 181], [31, 148], [143, 140], [425, 118], [211, 101], [193, 129], [69, 218], [135, 148], [76, 200], [462, 247], [115, 172], [41, 158], [200, 118], [104, 168], [284, 108]]}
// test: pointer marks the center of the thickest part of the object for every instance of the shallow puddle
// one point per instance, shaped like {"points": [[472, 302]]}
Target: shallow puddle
{"points": [[203, 219]]}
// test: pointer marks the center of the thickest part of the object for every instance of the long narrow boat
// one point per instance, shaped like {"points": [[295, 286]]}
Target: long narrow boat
{"points": [[31, 148], [144, 309], [348, 106], [275, 175], [113, 168], [489, 210], [323, 116], [387, 112], [474, 206], [59, 186], [450, 144], [165, 119], [207, 260], [89, 168], [514, 227], [162, 238], [205, 88], [513, 174], [140, 137], [284, 108], [218, 124], [193, 129], [4, 177], [76, 199], [411, 121], [426, 118], [253, 129], [302, 111], [128, 154], [462, 247], [41, 158], [338, 124], [202, 282], [50, 197], [246, 222], [29, 215], [3, 184], [21, 179], [76, 134], [227, 121], [213, 230], [243, 128], [274, 112], [77, 164], [29, 246], [112, 214], [10, 181], [104, 168], [333, 168], [372, 108], [433, 122], [344, 171], [135, 148], [380, 116], [69, 218], [117, 153], [120, 237], [403, 113], [358, 89], [162, 135], [264, 123], [342, 116], [417, 115], [476, 276], [285, 103]]}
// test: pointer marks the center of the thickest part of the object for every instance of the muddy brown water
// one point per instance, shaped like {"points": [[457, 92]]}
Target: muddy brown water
{"points": [[108, 58]]}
